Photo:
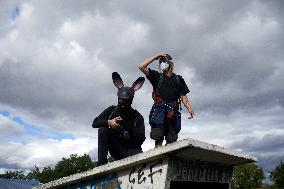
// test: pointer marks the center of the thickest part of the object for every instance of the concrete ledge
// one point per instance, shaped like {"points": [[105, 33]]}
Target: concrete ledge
{"points": [[187, 149]]}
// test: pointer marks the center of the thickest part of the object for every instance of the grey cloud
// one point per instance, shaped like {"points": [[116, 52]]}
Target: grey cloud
{"points": [[9, 129], [269, 163], [269, 149], [268, 142]]}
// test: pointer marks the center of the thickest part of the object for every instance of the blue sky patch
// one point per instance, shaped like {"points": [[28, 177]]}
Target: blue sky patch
{"points": [[5, 113], [60, 136], [30, 129], [34, 130]]}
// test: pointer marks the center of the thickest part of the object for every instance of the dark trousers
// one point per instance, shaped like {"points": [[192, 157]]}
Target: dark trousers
{"points": [[167, 131], [108, 141]]}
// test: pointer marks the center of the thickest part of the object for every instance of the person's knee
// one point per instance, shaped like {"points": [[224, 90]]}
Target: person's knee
{"points": [[171, 137], [157, 134], [103, 131]]}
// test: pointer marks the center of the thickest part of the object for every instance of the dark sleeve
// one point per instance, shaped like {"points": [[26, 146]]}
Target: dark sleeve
{"points": [[101, 120], [183, 87], [153, 77], [139, 133]]}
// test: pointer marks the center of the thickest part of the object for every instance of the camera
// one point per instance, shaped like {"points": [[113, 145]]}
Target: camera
{"points": [[120, 121], [123, 134]]}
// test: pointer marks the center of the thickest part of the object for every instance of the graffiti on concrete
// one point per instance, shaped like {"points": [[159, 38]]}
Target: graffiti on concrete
{"points": [[154, 172], [108, 182], [139, 175], [201, 171]]}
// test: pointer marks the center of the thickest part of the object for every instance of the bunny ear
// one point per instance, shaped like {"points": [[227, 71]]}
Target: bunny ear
{"points": [[138, 83], [117, 81]]}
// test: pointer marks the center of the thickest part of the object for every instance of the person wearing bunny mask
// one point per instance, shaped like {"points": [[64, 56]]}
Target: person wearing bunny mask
{"points": [[121, 129], [168, 90]]}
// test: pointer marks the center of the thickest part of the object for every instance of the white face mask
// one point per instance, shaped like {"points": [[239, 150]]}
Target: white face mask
{"points": [[164, 66]]}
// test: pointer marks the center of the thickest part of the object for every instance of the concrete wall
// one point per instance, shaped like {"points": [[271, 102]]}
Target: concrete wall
{"points": [[160, 174], [183, 164], [189, 171], [148, 175]]}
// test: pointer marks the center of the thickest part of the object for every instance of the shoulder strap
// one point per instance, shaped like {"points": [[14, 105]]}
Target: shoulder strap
{"points": [[113, 111], [160, 83], [178, 83], [177, 79]]}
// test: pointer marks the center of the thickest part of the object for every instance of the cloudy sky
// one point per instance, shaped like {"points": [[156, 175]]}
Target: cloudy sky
{"points": [[56, 60]]}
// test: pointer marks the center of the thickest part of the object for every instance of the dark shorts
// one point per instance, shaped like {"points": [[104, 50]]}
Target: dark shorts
{"points": [[167, 132]]}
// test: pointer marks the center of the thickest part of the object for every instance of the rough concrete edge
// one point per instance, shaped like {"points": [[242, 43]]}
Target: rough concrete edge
{"points": [[142, 157], [212, 147]]}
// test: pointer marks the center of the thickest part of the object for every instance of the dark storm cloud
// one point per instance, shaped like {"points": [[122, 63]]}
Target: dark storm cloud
{"points": [[227, 67], [219, 58], [269, 149], [36, 76], [268, 142]]}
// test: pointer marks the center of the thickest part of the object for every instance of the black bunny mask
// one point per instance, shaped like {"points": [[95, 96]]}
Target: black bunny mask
{"points": [[126, 94]]}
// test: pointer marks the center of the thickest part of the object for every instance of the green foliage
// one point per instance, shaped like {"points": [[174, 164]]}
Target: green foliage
{"points": [[13, 175], [247, 176], [44, 176], [67, 166], [277, 176], [74, 164]]}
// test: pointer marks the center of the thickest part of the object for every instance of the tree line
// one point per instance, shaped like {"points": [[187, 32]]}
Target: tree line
{"points": [[67, 166], [246, 176], [249, 176]]}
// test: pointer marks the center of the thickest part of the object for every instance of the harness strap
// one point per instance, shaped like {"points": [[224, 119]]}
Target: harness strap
{"points": [[113, 111], [160, 84], [156, 94]]}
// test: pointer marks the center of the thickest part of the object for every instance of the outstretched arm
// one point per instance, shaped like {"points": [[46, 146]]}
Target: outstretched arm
{"points": [[144, 65], [186, 103]]}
